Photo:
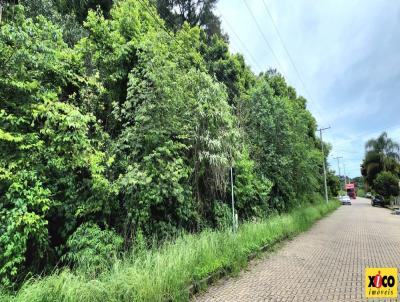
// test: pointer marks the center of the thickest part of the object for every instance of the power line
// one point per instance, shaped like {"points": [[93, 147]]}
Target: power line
{"points": [[338, 158], [285, 48], [146, 7], [155, 18], [240, 41], [288, 54], [262, 34]]}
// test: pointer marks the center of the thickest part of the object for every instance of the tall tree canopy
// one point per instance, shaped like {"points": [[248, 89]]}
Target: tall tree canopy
{"points": [[113, 127], [195, 12], [381, 154]]}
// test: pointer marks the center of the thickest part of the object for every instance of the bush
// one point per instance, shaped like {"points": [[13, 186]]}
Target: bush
{"points": [[223, 215], [91, 249], [387, 185], [361, 192], [166, 272]]}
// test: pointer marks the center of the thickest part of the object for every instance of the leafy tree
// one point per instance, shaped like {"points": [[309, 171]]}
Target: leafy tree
{"points": [[359, 181], [382, 154], [51, 174], [333, 183], [109, 52], [181, 125], [387, 185], [108, 122], [58, 13], [282, 145], [196, 13], [229, 69], [91, 249], [80, 8], [251, 190]]}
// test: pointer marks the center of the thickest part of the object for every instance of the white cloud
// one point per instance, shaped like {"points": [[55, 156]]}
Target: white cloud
{"points": [[347, 52]]}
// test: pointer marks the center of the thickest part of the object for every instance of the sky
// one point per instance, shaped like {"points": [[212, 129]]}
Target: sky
{"points": [[347, 54]]}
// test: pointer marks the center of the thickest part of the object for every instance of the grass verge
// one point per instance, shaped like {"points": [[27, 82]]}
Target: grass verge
{"points": [[166, 273]]}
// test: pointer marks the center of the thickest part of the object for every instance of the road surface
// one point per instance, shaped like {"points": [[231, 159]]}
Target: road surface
{"points": [[325, 263]]}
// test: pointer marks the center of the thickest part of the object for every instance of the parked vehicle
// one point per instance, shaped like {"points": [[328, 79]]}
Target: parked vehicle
{"points": [[345, 200], [368, 195], [377, 201]]}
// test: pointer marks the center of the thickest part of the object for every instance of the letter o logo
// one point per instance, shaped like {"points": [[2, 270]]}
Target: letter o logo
{"points": [[391, 281]]}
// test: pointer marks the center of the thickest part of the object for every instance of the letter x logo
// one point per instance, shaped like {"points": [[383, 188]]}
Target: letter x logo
{"points": [[371, 281]]}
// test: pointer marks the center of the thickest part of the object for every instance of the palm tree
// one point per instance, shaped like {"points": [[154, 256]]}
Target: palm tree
{"points": [[381, 154]]}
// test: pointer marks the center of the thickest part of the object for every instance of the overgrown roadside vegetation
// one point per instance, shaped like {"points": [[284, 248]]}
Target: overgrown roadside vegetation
{"points": [[120, 122], [165, 273]]}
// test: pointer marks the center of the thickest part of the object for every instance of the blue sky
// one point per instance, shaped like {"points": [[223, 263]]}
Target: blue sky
{"points": [[347, 53]]}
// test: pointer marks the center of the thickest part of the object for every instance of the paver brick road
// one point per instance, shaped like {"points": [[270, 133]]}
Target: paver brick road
{"points": [[325, 263]]}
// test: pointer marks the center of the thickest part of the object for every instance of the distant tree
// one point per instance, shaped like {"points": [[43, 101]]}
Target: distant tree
{"points": [[333, 183], [382, 154], [59, 13], [80, 8], [114, 132], [387, 185], [228, 68], [359, 180], [195, 12]]}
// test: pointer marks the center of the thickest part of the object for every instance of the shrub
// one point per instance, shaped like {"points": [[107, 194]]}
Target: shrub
{"points": [[223, 215], [165, 273], [387, 185], [92, 249]]}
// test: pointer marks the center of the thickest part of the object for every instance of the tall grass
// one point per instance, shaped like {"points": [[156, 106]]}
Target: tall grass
{"points": [[361, 192], [165, 273]]}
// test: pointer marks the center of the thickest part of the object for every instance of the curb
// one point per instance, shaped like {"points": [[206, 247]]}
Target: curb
{"points": [[198, 285]]}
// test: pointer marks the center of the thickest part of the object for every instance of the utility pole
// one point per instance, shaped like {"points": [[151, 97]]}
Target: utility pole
{"points": [[323, 160], [345, 175], [233, 203], [338, 165]]}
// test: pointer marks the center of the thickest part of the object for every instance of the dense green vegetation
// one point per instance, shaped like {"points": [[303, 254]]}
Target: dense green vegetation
{"points": [[381, 166], [166, 273], [360, 192], [118, 129]]}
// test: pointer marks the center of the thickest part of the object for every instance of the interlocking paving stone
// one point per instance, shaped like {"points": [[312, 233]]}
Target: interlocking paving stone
{"points": [[325, 263]]}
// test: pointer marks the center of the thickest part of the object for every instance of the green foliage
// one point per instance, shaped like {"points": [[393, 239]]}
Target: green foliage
{"points": [[23, 227], [25, 198], [91, 249], [228, 69], [251, 190], [359, 181], [58, 12], [387, 185], [107, 120], [200, 13], [223, 215], [179, 132], [333, 183], [282, 142], [166, 272], [381, 154], [50, 171], [360, 192]]}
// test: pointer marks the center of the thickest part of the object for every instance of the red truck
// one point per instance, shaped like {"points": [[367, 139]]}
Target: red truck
{"points": [[351, 190]]}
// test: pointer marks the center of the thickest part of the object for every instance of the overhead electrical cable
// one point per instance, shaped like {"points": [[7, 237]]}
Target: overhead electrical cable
{"points": [[311, 99], [243, 45], [156, 18], [263, 36], [285, 48]]}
